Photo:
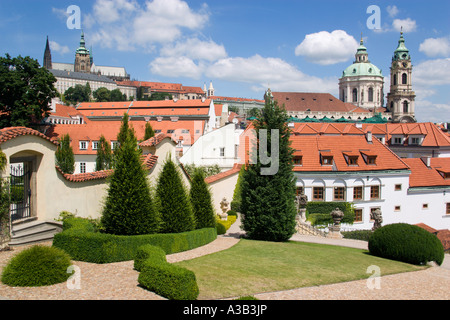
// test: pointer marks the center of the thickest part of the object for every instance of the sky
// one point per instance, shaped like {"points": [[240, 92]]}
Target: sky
{"points": [[242, 46]]}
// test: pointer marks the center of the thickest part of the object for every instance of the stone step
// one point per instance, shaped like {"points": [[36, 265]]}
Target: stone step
{"points": [[34, 232]]}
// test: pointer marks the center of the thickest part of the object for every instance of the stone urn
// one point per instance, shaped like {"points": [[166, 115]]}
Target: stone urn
{"points": [[377, 218], [335, 230], [224, 207]]}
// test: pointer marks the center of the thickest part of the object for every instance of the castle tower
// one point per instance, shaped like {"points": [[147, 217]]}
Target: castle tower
{"points": [[400, 99], [362, 83], [211, 90], [82, 57], [47, 57]]}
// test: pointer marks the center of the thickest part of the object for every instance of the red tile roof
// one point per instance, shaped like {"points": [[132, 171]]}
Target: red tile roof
{"points": [[65, 111], [426, 227], [433, 136], [423, 176], [443, 235], [236, 168], [13, 132], [82, 177], [303, 101], [154, 141]]}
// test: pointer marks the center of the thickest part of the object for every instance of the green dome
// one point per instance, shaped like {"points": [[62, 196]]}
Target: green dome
{"points": [[362, 69], [401, 53]]}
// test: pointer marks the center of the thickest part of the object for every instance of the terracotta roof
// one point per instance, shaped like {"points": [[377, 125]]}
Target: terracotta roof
{"points": [[236, 99], [154, 141], [82, 177], [433, 136], [163, 87], [303, 101], [236, 168], [149, 160], [423, 176], [65, 111], [13, 132], [443, 235], [426, 227]]}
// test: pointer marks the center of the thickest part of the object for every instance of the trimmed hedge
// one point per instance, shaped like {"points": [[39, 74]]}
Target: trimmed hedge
{"points": [[407, 243], [165, 279], [37, 266], [80, 241], [318, 212]]}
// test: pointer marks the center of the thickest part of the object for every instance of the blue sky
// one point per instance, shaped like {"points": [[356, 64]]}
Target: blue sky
{"points": [[242, 46]]}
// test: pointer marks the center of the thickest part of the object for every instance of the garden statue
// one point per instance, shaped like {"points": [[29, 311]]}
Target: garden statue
{"points": [[224, 206], [300, 202], [378, 219], [335, 230]]}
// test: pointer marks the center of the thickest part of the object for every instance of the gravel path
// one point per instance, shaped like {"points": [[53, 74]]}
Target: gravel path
{"points": [[118, 281]]}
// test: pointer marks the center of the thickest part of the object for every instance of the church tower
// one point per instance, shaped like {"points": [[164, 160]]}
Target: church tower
{"points": [[82, 57], [47, 57], [362, 83], [400, 99]]}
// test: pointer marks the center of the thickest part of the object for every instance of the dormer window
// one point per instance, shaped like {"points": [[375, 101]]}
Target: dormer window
{"points": [[351, 158], [369, 157], [327, 158], [298, 160], [444, 173], [83, 145]]}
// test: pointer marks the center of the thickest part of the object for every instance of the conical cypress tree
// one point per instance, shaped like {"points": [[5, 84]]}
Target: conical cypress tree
{"points": [[267, 205], [129, 209], [201, 200], [173, 203], [65, 159], [149, 133], [104, 156]]}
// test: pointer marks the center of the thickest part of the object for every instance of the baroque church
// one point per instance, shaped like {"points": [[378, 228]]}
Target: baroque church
{"points": [[362, 84]]}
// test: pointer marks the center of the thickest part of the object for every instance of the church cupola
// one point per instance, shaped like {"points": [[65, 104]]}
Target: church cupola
{"points": [[361, 54], [401, 53], [82, 57]]}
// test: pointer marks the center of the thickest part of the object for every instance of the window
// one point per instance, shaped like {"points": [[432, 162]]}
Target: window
{"points": [[157, 131], [298, 160], [222, 152], [355, 95], [170, 131], [327, 160], [425, 206], [397, 208], [405, 107], [398, 187], [353, 161], [415, 140], [371, 159], [375, 192], [447, 209], [114, 144], [83, 167], [370, 94], [404, 78], [83, 145], [339, 193], [398, 140], [95, 145], [318, 193], [358, 215], [357, 193]]}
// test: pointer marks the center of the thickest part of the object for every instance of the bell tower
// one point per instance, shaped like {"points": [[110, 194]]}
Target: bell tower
{"points": [[400, 99], [82, 57]]}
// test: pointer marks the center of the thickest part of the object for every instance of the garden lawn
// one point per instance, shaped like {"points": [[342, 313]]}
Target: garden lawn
{"points": [[252, 267]]}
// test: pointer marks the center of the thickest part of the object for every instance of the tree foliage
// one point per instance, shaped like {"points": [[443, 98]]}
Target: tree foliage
{"points": [[129, 208], [26, 91], [104, 155], [201, 200], [65, 159], [172, 201], [149, 132], [78, 94], [105, 95], [268, 205]]}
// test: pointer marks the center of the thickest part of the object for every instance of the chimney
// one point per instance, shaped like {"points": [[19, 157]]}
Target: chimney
{"points": [[369, 136], [426, 161]]}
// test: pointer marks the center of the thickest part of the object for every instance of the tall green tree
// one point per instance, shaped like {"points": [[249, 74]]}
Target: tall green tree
{"points": [[172, 201], [65, 158], [267, 202], [201, 200], [104, 155], [78, 94], [149, 132], [26, 91], [129, 207]]}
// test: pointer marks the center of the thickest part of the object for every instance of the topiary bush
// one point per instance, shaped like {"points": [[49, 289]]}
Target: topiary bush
{"points": [[37, 266], [406, 243], [165, 279]]}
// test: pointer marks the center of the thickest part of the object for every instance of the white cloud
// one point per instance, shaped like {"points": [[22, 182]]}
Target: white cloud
{"points": [[392, 11], [434, 47], [327, 48], [176, 67], [432, 72], [408, 25], [56, 47], [126, 25], [196, 49], [263, 72]]}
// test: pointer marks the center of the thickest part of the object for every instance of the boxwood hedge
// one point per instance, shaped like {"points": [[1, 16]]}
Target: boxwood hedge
{"points": [[407, 243], [82, 243]]}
